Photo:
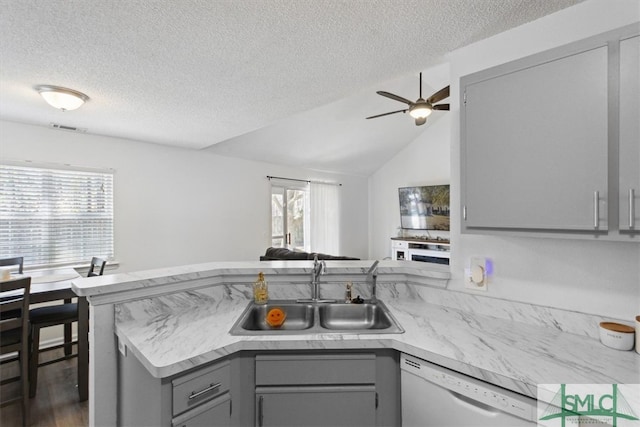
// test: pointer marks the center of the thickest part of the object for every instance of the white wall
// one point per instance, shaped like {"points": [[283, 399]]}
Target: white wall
{"points": [[425, 161], [588, 276], [176, 206]]}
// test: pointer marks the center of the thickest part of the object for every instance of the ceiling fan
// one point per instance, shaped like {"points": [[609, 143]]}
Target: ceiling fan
{"points": [[422, 108]]}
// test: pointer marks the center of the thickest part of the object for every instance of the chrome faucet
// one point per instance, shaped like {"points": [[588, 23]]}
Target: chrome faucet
{"points": [[372, 277], [319, 267]]}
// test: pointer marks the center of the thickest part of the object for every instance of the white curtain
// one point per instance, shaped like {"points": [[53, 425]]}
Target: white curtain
{"points": [[325, 218]]}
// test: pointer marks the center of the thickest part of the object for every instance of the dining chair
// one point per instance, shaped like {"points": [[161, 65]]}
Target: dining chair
{"points": [[61, 314], [9, 262], [14, 335], [98, 263]]}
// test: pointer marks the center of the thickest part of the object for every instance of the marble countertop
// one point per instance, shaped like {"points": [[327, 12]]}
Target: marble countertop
{"points": [[192, 328], [123, 286]]}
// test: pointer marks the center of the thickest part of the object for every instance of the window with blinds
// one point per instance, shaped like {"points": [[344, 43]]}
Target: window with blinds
{"points": [[55, 216]]}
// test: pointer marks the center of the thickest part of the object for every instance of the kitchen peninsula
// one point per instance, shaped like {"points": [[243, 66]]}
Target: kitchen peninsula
{"points": [[177, 319]]}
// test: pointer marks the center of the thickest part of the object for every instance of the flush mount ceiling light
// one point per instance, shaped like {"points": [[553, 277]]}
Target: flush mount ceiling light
{"points": [[61, 97]]}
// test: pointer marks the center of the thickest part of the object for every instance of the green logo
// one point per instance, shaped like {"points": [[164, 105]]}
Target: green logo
{"points": [[588, 404]]}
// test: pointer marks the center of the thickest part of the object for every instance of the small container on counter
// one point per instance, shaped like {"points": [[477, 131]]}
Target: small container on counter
{"points": [[617, 335], [638, 334], [260, 290]]}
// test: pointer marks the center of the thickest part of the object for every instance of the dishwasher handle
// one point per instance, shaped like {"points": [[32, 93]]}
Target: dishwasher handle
{"points": [[483, 408]]}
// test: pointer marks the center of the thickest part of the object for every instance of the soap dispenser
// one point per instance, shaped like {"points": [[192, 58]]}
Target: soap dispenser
{"points": [[260, 290]]}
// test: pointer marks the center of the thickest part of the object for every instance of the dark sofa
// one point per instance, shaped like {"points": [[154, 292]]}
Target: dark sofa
{"points": [[283, 254]]}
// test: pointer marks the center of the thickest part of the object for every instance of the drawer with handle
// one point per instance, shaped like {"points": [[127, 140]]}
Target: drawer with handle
{"points": [[216, 412], [200, 386]]}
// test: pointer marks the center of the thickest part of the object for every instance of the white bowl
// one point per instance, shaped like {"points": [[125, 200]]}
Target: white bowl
{"points": [[617, 335]]}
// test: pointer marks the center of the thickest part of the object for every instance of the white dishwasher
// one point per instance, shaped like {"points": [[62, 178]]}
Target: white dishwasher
{"points": [[438, 397]]}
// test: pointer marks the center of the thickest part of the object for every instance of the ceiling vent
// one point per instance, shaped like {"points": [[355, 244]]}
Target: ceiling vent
{"points": [[69, 128]]}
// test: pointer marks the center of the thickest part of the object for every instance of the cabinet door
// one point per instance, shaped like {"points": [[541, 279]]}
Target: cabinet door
{"points": [[316, 406], [534, 143], [629, 184], [214, 413]]}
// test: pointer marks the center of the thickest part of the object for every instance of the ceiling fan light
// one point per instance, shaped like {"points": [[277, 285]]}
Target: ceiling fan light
{"points": [[420, 112], [62, 98]]}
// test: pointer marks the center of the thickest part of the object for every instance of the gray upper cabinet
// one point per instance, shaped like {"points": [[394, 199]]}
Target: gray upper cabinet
{"points": [[629, 185], [538, 136], [536, 145]]}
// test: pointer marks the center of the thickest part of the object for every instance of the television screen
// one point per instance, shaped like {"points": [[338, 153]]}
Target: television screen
{"points": [[424, 208]]}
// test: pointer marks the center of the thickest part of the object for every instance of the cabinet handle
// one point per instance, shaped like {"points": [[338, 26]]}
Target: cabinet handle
{"points": [[464, 212], [211, 387], [260, 413], [596, 209], [632, 213]]}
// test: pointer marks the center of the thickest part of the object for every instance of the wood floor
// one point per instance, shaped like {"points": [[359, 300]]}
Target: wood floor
{"points": [[56, 402]]}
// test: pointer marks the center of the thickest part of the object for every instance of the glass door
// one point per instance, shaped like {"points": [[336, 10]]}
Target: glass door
{"points": [[290, 218]]}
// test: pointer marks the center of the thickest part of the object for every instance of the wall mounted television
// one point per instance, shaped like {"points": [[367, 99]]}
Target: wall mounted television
{"points": [[424, 207]]}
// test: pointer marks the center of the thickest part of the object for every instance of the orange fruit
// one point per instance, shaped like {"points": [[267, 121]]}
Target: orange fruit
{"points": [[275, 317]]}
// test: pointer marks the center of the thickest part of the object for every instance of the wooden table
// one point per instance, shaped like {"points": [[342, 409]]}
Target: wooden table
{"points": [[55, 285]]}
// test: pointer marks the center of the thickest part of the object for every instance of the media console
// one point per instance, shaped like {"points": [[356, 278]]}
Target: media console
{"points": [[423, 250]]}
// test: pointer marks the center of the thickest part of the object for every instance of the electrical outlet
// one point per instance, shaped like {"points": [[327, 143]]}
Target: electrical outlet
{"points": [[476, 274]]}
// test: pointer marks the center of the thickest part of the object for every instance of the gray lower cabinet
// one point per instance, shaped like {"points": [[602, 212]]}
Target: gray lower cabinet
{"points": [[198, 397], [316, 406], [328, 388], [202, 397], [540, 139], [305, 388], [216, 412]]}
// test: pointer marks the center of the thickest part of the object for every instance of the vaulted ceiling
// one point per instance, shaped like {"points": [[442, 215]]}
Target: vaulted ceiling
{"points": [[287, 81]]}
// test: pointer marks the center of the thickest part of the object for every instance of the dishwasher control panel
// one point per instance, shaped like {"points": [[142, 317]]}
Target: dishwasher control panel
{"points": [[471, 388]]}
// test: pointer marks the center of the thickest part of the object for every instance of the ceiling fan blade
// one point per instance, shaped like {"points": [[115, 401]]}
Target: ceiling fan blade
{"points": [[394, 97], [386, 114], [421, 121], [444, 107], [439, 95]]}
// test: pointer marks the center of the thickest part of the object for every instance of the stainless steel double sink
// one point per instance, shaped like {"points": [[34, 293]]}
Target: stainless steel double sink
{"points": [[370, 317]]}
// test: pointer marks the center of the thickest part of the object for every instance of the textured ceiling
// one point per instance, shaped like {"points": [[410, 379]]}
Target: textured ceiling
{"points": [[194, 73]]}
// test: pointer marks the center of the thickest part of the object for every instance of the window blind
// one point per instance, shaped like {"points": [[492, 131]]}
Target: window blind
{"points": [[54, 216]]}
